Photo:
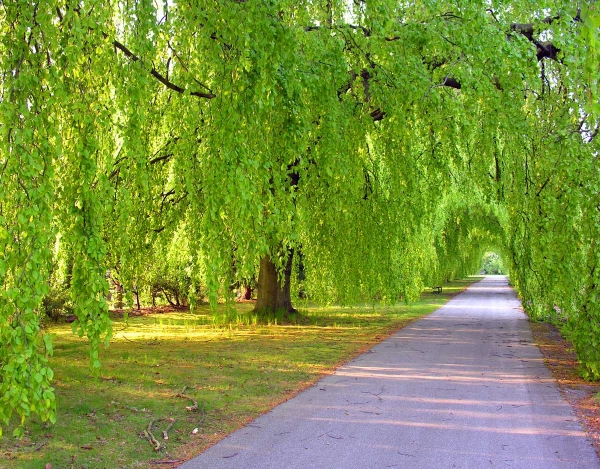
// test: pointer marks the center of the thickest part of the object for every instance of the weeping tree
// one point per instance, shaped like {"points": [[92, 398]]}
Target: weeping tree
{"points": [[380, 141]]}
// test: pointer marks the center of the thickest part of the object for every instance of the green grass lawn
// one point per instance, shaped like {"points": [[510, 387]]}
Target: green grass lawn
{"points": [[233, 367]]}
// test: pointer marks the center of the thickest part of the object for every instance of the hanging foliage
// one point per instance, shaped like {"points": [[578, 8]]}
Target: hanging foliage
{"points": [[373, 147]]}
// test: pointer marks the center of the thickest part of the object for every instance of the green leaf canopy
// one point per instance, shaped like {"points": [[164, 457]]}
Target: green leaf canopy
{"points": [[388, 144]]}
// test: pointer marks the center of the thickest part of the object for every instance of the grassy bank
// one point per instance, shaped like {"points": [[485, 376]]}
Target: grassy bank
{"points": [[235, 368]]}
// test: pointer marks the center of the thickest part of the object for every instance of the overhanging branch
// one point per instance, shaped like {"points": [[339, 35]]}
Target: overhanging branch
{"points": [[156, 74], [544, 50]]}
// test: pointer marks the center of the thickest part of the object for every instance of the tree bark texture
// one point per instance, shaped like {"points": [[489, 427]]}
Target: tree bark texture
{"points": [[272, 294]]}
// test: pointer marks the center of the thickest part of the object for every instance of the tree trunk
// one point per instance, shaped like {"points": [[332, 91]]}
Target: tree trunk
{"points": [[119, 303], [273, 296], [167, 297]]}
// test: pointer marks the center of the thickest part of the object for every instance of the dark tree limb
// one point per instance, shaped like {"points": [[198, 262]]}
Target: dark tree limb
{"points": [[452, 82], [366, 76], [161, 158], [544, 50], [377, 115], [156, 74], [527, 29]]}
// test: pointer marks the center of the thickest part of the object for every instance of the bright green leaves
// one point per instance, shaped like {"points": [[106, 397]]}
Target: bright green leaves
{"points": [[88, 141], [55, 127], [27, 232], [552, 214], [590, 41], [114, 150]]}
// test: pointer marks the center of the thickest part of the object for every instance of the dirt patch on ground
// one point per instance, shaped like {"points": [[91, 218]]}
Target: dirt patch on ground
{"points": [[562, 361]]}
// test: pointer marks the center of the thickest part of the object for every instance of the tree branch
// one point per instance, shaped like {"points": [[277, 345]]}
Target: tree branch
{"points": [[170, 85], [527, 29], [452, 83], [377, 115], [161, 158], [155, 73], [545, 50]]}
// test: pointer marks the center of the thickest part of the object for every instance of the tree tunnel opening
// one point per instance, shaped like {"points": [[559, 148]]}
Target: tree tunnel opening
{"points": [[493, 264]]}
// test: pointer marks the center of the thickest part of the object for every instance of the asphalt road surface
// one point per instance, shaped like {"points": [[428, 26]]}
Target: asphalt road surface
{"points": [[462, 388]]}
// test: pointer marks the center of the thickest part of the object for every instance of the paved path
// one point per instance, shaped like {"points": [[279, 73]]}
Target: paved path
{"points": [[462, 388]]}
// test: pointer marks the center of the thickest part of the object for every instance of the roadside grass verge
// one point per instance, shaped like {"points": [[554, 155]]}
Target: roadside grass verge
{"points": [[234, 366]]}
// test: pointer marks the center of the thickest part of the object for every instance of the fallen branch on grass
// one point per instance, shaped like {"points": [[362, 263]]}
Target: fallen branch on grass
{"points": [[133, 409], [150, 437], [194, 406], [165, 432]]}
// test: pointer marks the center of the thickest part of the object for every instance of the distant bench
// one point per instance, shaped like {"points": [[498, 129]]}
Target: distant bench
{"points": [[437, 289]]}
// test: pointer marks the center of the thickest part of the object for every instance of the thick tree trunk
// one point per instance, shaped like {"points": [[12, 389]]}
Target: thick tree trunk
{"points": [[273, 296]]}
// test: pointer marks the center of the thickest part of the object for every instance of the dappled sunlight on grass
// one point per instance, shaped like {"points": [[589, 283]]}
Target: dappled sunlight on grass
{"points": [[234, 370]]}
